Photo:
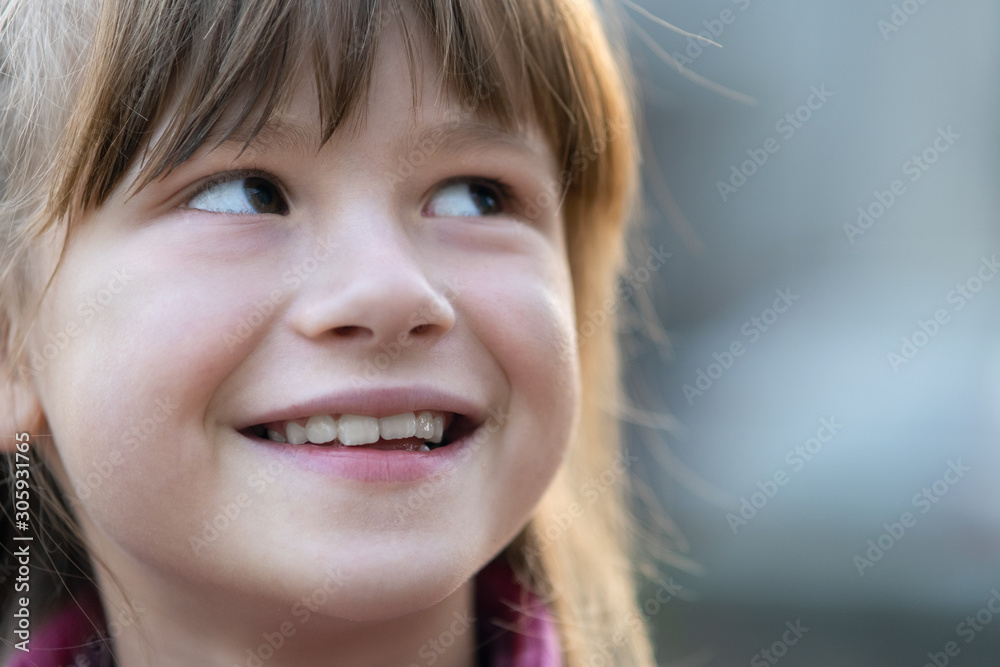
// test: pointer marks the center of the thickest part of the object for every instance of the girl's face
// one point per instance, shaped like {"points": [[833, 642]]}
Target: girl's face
{"points": [[385, 273]]}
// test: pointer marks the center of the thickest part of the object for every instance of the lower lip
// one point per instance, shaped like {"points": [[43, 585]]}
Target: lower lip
{"points": [[372, 465]]}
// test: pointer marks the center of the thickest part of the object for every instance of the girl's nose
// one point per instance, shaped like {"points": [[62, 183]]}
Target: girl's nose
{"points": [[374, 289]]}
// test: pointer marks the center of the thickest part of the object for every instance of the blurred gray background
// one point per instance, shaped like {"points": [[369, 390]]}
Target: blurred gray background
{"points": [[909, 402]]}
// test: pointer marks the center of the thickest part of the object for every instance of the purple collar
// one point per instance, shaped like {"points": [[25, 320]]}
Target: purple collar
{"points": [[514, 629]]}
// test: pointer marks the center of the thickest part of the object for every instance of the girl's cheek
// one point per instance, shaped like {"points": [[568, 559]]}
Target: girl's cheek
{"points": [[526, 317], [128, 355]]}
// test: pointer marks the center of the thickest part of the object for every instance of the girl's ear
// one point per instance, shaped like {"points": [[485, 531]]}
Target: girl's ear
{"points": [[20, 408]]}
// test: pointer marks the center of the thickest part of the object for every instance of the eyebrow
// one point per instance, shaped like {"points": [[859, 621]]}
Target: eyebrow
{"points": [[276, 134], [463, 136], [459, 136]]}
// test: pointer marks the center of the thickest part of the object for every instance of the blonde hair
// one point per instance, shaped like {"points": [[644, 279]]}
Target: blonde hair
{"points": [[84, 83]]}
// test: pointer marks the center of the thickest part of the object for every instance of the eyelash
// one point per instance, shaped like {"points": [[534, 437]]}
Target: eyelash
{"points": [[505, 193]]}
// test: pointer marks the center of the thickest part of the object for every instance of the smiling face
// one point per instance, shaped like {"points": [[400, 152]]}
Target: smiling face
{"points": [[416, 265]]}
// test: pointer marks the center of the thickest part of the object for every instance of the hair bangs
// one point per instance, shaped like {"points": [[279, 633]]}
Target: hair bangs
{"points": [[193, 71]]}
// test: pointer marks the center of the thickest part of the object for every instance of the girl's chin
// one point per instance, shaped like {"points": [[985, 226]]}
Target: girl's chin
{"points": [[382, 592]]}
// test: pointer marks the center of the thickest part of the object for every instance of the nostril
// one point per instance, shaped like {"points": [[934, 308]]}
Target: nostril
{"points": [[419, 329], [346, 331]]}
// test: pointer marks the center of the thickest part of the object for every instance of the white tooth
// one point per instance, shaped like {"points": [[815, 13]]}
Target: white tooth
{"points": [[398, 426], [425, 426], [438, 429], [274, 435], [321, 429], [423, 448], [295, 433], [358, 430]]}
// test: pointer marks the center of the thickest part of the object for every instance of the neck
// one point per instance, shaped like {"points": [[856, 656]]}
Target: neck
{"points": [[171, 627]]}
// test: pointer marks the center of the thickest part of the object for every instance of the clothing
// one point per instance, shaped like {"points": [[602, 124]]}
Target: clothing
{"points": [[513, 629], [501, 603]]}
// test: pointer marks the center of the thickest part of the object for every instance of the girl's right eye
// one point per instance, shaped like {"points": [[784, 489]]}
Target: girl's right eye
{"points": [[252, 195]]}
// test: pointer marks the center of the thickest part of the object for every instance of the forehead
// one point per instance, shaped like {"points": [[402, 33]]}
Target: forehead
{"points": [[402, 76], [408, 104]]}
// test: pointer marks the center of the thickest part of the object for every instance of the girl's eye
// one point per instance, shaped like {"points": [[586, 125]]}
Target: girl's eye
{"points": [[252, 195], [466, 199]]}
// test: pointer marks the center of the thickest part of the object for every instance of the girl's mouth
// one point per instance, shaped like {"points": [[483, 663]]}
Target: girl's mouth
{"points": [[420, 431]]}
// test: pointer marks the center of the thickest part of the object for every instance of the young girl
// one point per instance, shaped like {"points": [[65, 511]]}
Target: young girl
{"points": [[307, 320]]}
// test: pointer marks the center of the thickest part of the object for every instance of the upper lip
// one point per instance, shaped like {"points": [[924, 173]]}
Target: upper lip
{"points": [[377, 402]]}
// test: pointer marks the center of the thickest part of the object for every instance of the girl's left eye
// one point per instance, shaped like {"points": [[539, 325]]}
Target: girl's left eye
{"points": [[252, 195], [468, 198]]}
